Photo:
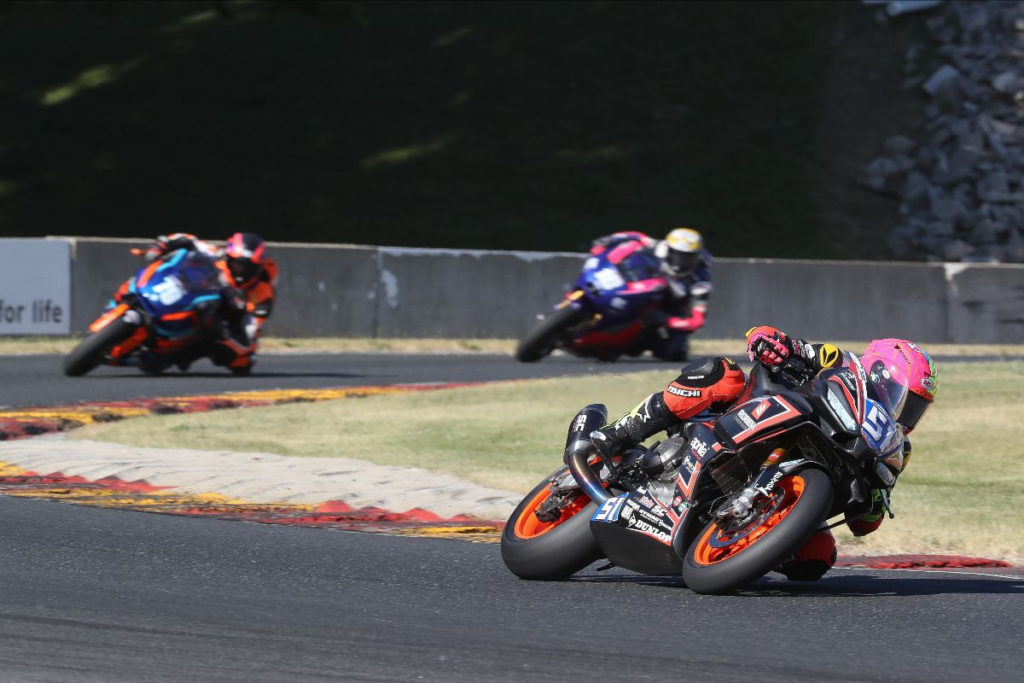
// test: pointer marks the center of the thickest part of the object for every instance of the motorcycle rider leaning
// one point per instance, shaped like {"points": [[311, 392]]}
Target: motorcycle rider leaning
{"points": [[249, 299], [716, 384], [687, 267]]}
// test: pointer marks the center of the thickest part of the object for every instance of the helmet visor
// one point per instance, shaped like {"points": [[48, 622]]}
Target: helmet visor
{"points": [[913, 410], [683, 261], [242, 269], [888, 388]]}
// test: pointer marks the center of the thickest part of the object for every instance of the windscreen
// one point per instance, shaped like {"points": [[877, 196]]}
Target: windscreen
{"points": [[640, 265], [198, 273]]}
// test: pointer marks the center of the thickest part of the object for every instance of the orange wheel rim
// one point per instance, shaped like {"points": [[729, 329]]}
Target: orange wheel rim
{"points": [[717, 544], [529, 526]]}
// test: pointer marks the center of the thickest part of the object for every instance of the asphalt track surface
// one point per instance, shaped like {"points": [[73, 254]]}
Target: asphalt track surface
{"points": [[92, 594], [37, 380], [105, 595], [33, 380]]}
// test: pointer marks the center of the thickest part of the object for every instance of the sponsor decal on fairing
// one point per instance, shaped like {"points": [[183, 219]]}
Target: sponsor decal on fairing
{"points": [[644, 500], [609, 510], [648, 529]]}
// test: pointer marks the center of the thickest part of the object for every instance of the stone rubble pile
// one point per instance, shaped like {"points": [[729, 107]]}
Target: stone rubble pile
{"points": [[960, 176]]}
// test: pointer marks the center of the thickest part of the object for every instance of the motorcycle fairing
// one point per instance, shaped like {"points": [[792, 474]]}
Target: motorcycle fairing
{"points": [[645, 286], [619, 286], [702, 446], [620, 252], [177, 296], [759, 417], [108, 317], [602, 339], [879, 429], [634, 531], [172, 292]]}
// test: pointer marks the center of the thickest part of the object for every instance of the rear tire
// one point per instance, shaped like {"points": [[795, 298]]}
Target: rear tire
{"points": [[719, 563], [540, 551], [91, 352], [543, 338]]}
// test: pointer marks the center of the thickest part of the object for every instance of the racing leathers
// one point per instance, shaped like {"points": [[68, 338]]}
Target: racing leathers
{"points": [[714, 385], [684, 306], [247, 304]]}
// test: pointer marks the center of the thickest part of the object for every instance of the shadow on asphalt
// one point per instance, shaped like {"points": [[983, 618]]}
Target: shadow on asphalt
{"points": [[855, 586]]}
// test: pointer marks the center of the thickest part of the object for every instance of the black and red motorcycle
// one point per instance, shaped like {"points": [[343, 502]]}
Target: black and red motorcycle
{"points": [[727, 499]]}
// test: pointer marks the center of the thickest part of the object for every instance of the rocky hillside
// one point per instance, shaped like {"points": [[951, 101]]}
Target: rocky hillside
{"points": [[959, 174]]}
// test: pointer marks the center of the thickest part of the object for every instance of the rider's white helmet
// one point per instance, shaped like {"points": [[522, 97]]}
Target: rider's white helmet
{"points": [[680, 250]]}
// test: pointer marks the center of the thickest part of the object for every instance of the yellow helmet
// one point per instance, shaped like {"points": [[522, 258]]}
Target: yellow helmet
{"points": [[680, 250]]}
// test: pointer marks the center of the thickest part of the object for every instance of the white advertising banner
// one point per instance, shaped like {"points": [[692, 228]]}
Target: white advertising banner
{"points": [[35, 287]]}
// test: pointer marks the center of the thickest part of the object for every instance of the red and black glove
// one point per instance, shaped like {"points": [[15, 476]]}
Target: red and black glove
{"points": [[768, 345]]}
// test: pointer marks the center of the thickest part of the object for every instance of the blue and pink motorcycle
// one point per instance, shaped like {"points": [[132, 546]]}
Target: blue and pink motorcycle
{"points": [[603, 315]]}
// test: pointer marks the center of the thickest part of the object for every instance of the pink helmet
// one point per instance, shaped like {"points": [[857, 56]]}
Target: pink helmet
{"points": [[907, 362]]}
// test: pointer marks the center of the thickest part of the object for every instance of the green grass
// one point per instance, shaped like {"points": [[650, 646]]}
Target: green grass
{"points": [[962, 492]]}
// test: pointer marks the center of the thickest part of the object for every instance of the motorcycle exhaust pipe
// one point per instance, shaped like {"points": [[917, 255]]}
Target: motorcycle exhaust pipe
{"points": [[578, 449]]}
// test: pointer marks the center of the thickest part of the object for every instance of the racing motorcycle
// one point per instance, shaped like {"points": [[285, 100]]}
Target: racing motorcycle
{"points": [[603, 315], [725, 500], [166, 313]]}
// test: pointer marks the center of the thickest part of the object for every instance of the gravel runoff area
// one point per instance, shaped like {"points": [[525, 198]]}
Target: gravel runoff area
{"points": [[263, 477]]}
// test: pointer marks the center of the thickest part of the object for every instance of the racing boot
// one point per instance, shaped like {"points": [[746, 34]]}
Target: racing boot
{"points": [[242, 365], [648, 418], [811, 560]]}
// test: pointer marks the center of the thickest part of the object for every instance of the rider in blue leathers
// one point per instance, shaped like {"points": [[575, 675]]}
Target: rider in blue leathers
{"points": [[686, 265]]}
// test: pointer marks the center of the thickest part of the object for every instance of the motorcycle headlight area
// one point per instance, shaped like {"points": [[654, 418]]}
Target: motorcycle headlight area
{"points": [[840, 410]]}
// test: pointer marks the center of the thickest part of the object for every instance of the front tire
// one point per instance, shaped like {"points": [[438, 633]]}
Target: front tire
{"points": [[542, 339], [549, 551], [94, 348], [721, 559]]}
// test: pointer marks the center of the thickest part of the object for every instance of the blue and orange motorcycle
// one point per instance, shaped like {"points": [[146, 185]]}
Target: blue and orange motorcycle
{"points": [[168, 313]]}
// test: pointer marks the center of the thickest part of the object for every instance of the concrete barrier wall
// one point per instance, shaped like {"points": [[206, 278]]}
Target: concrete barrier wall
{"points": [[365, 291], [98, 267], [326, 290], [440, 293], [830, 300]]}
